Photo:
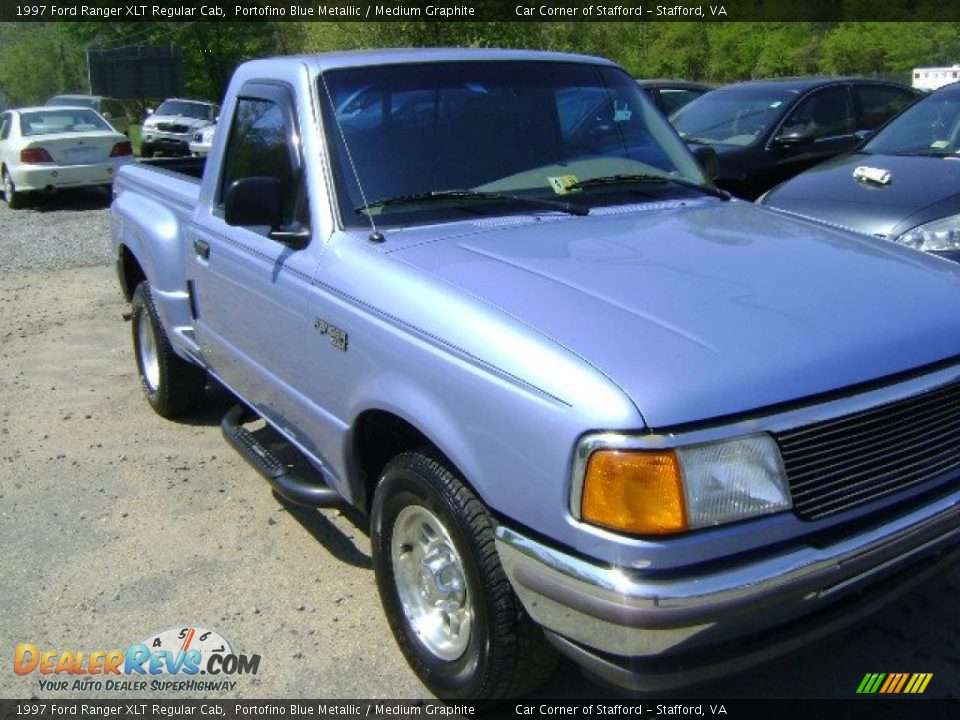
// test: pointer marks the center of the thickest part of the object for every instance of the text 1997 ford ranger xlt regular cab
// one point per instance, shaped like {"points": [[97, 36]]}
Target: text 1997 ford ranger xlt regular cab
{"points": [[590, 403]]}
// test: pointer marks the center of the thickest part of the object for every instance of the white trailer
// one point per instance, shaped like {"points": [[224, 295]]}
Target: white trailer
{"points": [[933, 77]]}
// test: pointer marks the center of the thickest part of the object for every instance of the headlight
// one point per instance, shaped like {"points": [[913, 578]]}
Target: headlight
{"points": [[939, 235], [657, 492], [733, 480]]}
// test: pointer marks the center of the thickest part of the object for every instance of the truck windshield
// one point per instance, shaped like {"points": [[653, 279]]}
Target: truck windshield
{"points": [[409, 140]]}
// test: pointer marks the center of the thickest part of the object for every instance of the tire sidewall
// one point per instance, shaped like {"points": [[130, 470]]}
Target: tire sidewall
{"points": [[11, 197], [401, 487], [144, 311]]}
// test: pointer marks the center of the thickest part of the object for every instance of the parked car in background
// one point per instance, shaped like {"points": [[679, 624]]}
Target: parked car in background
{"points": [[767, 131], [171, 128], [202, 139], [45, 148], [903, 185], [114, 111], [671, 95]]}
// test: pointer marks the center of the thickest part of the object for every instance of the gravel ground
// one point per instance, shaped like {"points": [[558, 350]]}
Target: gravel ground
{"points": [[115, 524], [55, 232]]}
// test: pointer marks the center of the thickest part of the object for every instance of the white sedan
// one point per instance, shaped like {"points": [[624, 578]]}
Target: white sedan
{"points": [[44, 148]]}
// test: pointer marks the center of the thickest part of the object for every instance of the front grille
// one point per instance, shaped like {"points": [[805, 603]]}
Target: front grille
{"points": [[842, 463], [173, 127]]}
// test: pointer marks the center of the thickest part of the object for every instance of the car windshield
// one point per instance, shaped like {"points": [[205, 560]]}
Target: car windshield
{"points": [[60, 100], [441, 139], [732, 116], [200, 111], [45, 122], [930, 127]]}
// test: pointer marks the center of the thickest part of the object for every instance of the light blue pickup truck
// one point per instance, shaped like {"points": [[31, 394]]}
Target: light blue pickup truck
{"points": [[590, 403]]}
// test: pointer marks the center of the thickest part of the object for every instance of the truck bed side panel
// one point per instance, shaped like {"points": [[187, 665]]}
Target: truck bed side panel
{"points": [[151, 208]]}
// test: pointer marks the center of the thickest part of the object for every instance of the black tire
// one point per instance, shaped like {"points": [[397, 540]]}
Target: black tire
{"points": [[146, 151], [506, 653], [171, 384], [13, 198]]}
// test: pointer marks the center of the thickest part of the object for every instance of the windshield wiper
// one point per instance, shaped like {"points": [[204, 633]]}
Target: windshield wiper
{"points": [[927, 152], [438, 195], [645, 178]]}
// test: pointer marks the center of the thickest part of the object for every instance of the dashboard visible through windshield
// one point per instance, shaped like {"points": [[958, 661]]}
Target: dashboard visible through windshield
{"points": [[436, 141]]}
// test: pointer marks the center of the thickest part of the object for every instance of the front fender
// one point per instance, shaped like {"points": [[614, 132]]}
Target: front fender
{"points": [[420, 407]]}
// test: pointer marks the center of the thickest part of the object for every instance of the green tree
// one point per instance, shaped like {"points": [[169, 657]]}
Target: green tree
{"points": [[38, 61]]}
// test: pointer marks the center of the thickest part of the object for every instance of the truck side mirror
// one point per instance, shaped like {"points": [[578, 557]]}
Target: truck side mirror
{"points": [[258, 201], [707, 157]]}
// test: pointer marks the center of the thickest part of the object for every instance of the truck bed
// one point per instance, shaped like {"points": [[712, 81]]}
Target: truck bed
{"points": [[170, 182], [189, 166]]}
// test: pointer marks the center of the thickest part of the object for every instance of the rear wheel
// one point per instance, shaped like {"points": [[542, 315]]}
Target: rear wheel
{"points": [[13, 198], [171, 384], [446, 597]]}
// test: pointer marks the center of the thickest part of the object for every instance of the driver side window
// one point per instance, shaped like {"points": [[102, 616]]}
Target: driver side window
{"points": [[261, 144], [826, 113]]}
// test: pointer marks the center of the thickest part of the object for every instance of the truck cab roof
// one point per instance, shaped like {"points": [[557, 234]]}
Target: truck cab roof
{"points": [[357, 58]]}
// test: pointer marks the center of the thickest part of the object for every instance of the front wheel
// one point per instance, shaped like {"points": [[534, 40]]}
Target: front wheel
{"points": [[449, 604], [171, 384]]}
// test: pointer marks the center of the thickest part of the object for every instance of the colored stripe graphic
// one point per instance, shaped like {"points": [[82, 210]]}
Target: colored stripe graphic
{"points": [[892, 679], [870, 683], [903, 681], [894, 683]]}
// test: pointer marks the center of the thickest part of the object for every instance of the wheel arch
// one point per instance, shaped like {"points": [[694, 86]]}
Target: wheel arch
{"points": [[130, 270], [378, 435]]}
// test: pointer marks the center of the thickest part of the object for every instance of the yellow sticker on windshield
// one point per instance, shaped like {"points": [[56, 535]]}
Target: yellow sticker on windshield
{"points": [[561, 183], [939, 144]]}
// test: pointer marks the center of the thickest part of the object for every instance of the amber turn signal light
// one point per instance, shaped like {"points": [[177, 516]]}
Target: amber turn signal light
{"points": [[635, 492]]}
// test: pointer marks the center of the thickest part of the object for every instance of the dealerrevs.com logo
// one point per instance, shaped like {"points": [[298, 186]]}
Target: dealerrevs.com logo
{"points": [[170, 660]]}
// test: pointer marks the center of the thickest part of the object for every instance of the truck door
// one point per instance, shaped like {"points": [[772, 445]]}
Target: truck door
{"points": [[251, 290]]}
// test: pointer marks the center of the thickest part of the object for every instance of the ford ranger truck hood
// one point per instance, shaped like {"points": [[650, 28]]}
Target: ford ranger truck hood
{"points": [[706, 309]]}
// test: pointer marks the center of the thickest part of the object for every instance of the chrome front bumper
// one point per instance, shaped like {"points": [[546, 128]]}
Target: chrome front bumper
{"points": [[600, 610]]}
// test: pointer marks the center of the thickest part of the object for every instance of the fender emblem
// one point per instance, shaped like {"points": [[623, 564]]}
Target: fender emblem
{"points": [[337, 336]]}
